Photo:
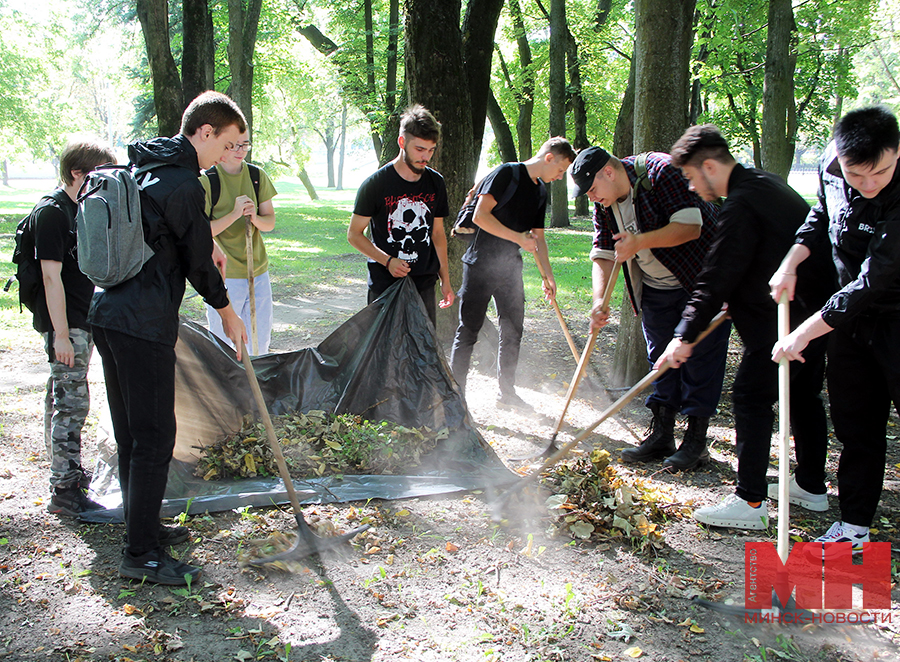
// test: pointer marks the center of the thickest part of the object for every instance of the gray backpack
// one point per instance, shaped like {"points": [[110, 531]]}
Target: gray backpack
{"points": [[110, 235]]}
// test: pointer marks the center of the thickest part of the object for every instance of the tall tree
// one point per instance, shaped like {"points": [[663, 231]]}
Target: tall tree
{"points": [[243, 26], [559, 203], [168, 96], [478, 28], [198, 62], [778, 120]]}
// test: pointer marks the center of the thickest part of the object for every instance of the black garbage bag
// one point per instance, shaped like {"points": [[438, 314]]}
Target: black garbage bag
{"points": [[384, 363]]}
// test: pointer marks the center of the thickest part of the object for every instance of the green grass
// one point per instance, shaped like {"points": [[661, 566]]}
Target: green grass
{"points": [[308, 250]]}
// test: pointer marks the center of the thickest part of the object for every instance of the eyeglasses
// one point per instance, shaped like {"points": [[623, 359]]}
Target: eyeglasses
{"points": [[243, 147]]}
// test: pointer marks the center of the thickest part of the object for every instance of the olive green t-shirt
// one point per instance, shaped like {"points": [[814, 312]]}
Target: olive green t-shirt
{"points": [[232, 240]]}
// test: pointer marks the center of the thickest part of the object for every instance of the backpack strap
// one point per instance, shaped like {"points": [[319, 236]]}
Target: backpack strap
{"points": [[215, 184], [642, 180], [510, 188]]}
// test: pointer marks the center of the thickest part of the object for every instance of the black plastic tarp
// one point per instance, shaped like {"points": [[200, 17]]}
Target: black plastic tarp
{"points": [[385, 363]]}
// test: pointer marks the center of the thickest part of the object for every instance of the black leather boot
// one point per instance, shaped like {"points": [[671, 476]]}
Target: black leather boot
{"points": [[660, 442], [692, 452]]}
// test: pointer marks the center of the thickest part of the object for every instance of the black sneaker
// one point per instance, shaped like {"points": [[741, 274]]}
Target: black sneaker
{"points": [[71, 501], [157, 567], [86, 478], [172, 535], [512, 401]]}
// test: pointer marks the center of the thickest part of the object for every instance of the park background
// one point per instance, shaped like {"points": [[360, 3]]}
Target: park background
{"points": [[326, 79]]}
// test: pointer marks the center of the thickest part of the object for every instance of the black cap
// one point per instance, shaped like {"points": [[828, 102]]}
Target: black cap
{"points": [[586, 165]]}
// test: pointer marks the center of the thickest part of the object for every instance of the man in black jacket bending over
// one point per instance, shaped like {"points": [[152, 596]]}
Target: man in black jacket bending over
{"points": [[135, 325], [858, 216], [757, 223]]}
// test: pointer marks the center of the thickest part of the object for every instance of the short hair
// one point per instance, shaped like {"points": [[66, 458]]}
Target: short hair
{"points": [[699, 143], [862, 136], [418, 122], [83, 155], [215, 109], [558, 146]]}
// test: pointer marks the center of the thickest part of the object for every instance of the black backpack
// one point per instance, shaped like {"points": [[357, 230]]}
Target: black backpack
{"points": [[465, 227], [215, 184], [28, 268]]}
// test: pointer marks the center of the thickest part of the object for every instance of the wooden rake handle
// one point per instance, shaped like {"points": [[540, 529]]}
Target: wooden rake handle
{"points": [[559, 315], [251, 286]]}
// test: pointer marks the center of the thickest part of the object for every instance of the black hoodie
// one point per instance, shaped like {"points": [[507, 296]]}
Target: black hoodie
{"points": [[176, 226]]}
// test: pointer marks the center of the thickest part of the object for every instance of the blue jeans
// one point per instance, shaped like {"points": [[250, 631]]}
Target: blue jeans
{"points": [[694, 389], [239, 296]]}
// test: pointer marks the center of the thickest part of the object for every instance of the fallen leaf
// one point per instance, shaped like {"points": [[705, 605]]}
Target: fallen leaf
{"points": [[696, 629], [451, 547], [634, 651]]}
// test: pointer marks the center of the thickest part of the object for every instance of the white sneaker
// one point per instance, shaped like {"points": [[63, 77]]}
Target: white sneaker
{"points": [[800, 497], [839, 533], [735, 513]]}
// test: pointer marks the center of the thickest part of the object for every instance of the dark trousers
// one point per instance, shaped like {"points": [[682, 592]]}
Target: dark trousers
{"points": [[479, 285], [694, 389], [424, 285], [140, 388], [754, 394], [863, 380]]}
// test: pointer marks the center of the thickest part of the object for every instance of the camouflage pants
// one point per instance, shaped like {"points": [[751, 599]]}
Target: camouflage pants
{"points": [[66, 407]]}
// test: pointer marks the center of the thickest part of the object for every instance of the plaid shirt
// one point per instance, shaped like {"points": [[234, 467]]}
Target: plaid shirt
{"points": [[653, 209]]}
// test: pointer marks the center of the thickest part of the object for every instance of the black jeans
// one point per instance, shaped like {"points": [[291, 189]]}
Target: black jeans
{"points": [[754, 393], [140, 388], [863, 380], [479, 285], [424, 285]]}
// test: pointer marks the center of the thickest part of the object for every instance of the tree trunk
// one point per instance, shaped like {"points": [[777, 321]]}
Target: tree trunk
{"points": [[340, 168], [525, 96], [242, 30], [559, 202], [478, 28], [579, 112], [390, 82], [167, 94], [777, 145], [198, 53], [502, 133], [436, 76], [623, 136], [663, 37], [662, 50], [307, 183], [4, 171]]}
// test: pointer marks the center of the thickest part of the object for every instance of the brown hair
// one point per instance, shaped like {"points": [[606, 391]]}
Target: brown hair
{"points": [[418, 122], [699, 143], [558, 146], [84, 156], [215, 109]]}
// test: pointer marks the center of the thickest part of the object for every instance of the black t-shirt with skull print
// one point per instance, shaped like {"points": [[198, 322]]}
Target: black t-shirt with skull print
{"points": [[402, 217]]}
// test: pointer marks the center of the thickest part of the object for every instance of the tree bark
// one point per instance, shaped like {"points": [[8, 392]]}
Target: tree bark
{"points": [[390, 83], [436, 77], [525, 95], [559, 202], [579, 111], [307, 184], [777, 143], [478, 29], [623, 136], [663, 38], [502, 133], [168, 97], [340, 168], [242, 30], [198, 53]]}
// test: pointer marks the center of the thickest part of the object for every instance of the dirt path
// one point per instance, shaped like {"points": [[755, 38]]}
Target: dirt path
{"points": [[434, 579]]}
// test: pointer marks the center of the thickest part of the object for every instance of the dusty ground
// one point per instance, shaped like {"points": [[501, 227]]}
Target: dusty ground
{"points": [[434, 579]]}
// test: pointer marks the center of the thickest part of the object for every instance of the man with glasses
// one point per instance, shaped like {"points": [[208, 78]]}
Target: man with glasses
{"points": [[239, 197]]}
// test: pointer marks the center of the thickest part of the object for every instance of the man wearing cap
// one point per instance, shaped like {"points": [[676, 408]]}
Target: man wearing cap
{"points": [[757, 223], [646, 218]]}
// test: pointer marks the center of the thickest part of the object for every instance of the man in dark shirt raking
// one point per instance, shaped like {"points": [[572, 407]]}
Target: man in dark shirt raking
{"points": [[135, 326], [858, 216], [646, 218], [757, 222], [403, 206], [60, 315], [509, 215]]}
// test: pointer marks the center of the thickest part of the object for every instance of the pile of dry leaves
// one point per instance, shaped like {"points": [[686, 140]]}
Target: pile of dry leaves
{"points": [[593, 498], [316, 444]]}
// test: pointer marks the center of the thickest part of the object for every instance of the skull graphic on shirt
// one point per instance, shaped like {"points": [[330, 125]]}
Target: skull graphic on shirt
{"points": [[408, 228]]}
